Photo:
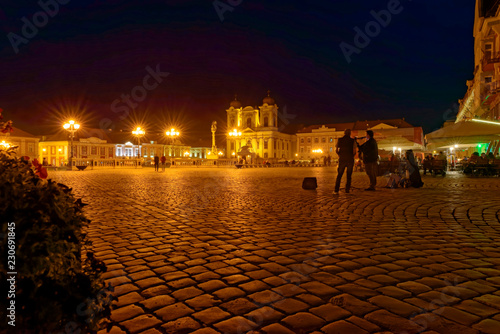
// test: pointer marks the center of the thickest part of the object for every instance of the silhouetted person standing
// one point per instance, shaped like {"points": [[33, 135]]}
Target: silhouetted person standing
{"points": [[369, 151], [346, 149], [157, 163]]}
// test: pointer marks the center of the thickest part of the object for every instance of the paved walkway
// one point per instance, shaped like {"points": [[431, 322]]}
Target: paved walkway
{"points": [[236, 251]]}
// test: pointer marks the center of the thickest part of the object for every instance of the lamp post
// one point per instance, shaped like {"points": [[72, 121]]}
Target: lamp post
{"points": [[172, 134], [72, 127], [138, 133], [236, 135]]}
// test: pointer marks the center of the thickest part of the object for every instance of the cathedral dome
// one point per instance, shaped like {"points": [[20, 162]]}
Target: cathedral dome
{"points": [[235, 103], [268, 99]]}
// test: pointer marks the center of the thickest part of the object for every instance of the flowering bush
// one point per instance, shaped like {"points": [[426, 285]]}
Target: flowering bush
{"points": [[58, 284]]}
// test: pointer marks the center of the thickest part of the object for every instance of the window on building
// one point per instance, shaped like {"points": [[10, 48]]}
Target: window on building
{"points": [[266, 121], [232, 146], [302, 140], [258, 144], [487, 79], [103, 151], [265, 155], [274, 144], [110, 151], [287, 146], [93, 150], [331, 149], [316, 140], [488, 49], [52, 150], [249, 122], [323, 140], [84, 150], [301, 150], [31, 147], [308, 140], [265, 144], [331, 140]]}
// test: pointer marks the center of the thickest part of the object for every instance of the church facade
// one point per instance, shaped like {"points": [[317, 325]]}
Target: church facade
{"points": [[257, 133]]}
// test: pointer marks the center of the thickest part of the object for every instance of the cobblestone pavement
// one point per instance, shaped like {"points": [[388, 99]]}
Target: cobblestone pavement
{"points": [[236, 251]]}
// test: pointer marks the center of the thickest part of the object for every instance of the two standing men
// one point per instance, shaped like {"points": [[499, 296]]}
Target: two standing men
{"points": [[346, 150]]}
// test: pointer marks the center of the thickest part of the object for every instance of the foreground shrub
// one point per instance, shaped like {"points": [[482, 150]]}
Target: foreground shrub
{"points": [[57, 286]]}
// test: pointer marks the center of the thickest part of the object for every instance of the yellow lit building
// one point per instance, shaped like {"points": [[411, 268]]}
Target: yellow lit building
{"points": [[26, 143], [257, 132]]}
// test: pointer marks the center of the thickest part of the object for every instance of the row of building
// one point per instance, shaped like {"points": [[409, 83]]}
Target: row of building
{"points": [[260, 134]]}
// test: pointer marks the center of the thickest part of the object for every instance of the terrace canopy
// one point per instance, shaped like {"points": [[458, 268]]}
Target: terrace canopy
{"points": [[464, 134]]}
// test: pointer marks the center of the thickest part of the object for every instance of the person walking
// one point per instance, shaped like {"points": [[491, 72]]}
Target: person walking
{"points": [[157, 163], [346, 149], [163, 160], [369, 150]]}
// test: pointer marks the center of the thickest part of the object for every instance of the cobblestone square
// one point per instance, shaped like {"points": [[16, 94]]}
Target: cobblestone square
{"points": [[225, 250]]}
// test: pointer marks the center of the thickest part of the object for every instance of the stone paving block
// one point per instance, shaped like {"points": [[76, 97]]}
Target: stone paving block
{"points": [[394, 306], [290, 305], [259, 274], [124, 289], [126, 312], [202, 302], [229, 293], [276, 329], [173, 312], [330, 312], [349, 277], [488, 326], [265, 297], [206, 330], [239, 306], [294, 277], [288, 290], [181, 325], [174, 275], [235, 325], [342, 327], [457, 315], [431, 282], [264, 314], [357, 291], [140, 323], [212, 285], [478, 287], [211, 315], [310, 299], [187, 293], [128, 299], [182, 283], [274, 281], [319, 289], [303, 321], [154, 303], [431, 321], [384, 279], [394, 292], [459, 292], [353, 304], [254, 286], [476, 308], [393, 322], [362, 323], [149, 282]]}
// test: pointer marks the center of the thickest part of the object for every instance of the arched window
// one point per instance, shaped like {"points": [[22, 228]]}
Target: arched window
{"points": [[323, 140], [249, 122], [308, 140], [302, 140], [266, 121], [316, 140]]}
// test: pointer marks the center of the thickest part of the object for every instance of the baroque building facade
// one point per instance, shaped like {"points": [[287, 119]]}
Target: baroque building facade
{"points": [[259, 135], [482, 99]]}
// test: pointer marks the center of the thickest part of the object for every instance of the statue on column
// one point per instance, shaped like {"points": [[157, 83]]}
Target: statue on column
{"points": [[213, 153]]}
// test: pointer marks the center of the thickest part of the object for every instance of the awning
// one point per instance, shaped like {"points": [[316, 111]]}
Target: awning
{"points": [[464, 133]]}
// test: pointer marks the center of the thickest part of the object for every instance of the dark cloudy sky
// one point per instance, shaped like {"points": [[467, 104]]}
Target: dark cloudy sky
{"points": [[91, 52]]}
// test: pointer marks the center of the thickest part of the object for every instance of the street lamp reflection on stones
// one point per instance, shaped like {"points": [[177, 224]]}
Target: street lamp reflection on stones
{"points": [[71, 126], [138, 133]]}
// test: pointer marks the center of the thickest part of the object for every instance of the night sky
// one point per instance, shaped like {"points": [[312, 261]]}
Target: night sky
{"points": [[91, 52]]}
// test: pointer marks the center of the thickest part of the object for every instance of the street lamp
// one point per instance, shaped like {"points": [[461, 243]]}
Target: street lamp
{"points": [[4, 145], [235, 134], [138, 133], [71, 126], [172, 134]]}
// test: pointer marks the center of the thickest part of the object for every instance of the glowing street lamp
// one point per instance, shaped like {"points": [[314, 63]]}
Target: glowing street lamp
{"points": [[235, 134], [72, 127], [4, 145], [172, 134], [138, 133]]}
